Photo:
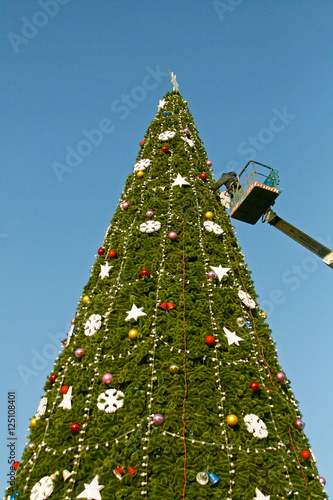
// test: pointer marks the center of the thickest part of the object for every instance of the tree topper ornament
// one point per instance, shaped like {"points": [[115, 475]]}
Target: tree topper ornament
{"points": [[256, 426], [109, 400], [92, 325], [175, 85]]}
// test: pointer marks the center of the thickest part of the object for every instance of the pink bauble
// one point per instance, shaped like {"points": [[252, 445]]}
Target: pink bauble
{"points": [[107, 377], [149, 213], [280, 376], [72, 321], [211, 275], [158, 419], [209, 163], [172, 235], [322, 481], [298, 424], [79, 353], [125, 205]]}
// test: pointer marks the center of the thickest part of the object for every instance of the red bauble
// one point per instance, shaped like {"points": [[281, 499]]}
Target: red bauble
{"points": [[53, 378], [255, 386], [64, 389], [306, 454], [210, 340], [100, 251], [15, 465], [165, 149], [75, 427], [145, 272], [112, 254], [142, 143], [203, 176]]}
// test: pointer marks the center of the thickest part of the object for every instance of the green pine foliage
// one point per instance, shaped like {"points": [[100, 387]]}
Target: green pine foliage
{"points": [[212, 382]]}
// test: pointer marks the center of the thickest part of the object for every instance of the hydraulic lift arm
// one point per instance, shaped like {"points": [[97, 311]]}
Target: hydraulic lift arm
{"points": [[303, 239]]}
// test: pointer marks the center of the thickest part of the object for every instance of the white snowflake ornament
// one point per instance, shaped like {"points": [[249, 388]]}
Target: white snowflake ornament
{"points": [[225, 199], [109, 400], [142, 165], [246, 299], [212, 227], [92, 325], [41, 408], [150, 226], [168, 134], [256, 426], [43, 489]]}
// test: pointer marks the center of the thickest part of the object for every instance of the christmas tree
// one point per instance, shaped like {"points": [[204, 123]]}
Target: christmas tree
{"points": [[168, 385]]}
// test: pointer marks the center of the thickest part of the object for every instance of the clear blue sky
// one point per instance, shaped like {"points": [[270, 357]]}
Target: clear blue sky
{"points": [[90, 61]]}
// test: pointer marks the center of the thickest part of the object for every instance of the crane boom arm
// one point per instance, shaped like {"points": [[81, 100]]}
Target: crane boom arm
{"points": [[303, 239]]}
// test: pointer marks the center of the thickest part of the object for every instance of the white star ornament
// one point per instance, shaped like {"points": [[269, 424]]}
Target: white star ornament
{"points": [[180, 181], [105, 269], [135, 313], [232, 337], [220, 271], [91, 491], [66, 402], [260, 496], [161, 104]]}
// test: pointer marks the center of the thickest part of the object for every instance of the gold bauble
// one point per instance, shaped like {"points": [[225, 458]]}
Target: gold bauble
{"points": [[209, 215], [263, 314], [33, 422], [232, 420], [86, 299], [173, 369], [140, 174], [133, 334]]}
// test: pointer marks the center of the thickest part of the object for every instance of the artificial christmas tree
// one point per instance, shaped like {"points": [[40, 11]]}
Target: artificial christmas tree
{"points": [[168, 385]]}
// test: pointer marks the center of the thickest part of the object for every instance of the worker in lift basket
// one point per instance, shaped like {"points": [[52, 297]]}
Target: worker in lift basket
{"points": [[227, 179]]}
